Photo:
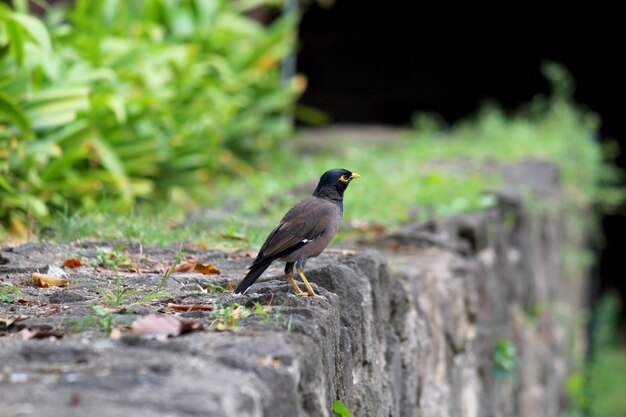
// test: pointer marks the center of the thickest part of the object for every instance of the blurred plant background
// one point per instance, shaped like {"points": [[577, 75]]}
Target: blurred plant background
{"points": [[117, 117], [125, 100]]}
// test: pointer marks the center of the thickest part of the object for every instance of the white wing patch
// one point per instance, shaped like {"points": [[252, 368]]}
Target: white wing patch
{"points": [[307, 240]]}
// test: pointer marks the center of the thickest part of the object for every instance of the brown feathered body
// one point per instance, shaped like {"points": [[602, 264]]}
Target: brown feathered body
{"points": [[305, 230]]}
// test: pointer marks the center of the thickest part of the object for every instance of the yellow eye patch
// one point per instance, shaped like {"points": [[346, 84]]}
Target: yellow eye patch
{"points": [[343, 178]]}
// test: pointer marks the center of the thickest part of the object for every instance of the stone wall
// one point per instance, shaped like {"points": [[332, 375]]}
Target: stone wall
{"points": [[418, 323]]}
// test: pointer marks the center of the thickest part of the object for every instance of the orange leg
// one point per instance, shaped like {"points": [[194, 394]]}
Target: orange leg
{"points": [[294, 285], [309, 289]]}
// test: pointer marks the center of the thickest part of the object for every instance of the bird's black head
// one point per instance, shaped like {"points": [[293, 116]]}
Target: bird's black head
{"points": [[333, 183]]}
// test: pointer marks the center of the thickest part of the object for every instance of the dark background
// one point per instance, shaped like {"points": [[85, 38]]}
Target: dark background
{"points": [[379, 62]]}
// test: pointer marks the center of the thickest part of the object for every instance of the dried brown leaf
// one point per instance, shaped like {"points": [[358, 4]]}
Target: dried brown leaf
{"points": [[221, 326], [185, 266], [116, 333], [72, 263], [198, 245], [190, 307], [160, 327], [208, 269], [46, 281], [35, 333], [239, 312], [33, 302], [229, 287], [156, 326], [269, 361], [6, 322]]}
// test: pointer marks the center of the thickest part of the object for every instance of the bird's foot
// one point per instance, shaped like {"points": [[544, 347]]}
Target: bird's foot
{"points": [[295, 286], [309, 288], [307, 294], [301, 293]]}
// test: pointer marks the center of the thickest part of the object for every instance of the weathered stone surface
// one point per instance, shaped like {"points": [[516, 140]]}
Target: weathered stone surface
{"points": [[408, 329]]}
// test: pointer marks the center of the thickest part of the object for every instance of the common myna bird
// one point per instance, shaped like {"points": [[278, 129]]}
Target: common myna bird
{"points": [[304, 232]]}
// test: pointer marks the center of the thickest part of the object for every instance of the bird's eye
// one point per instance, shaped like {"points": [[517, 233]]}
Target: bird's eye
{"points": [[343, 178]]}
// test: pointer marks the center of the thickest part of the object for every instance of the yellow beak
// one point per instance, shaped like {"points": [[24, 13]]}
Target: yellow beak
{"points": [[354, 176]]}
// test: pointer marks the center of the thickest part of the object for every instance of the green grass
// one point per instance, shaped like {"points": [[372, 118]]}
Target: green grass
{"points": [[608, 370], [608, 381], [597, 388], [9, 292], [434, 171]]}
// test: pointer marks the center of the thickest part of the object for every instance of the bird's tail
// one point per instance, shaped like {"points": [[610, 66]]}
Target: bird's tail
{"points": [[251, 276]]}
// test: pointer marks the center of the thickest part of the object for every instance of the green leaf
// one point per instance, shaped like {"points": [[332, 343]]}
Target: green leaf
{"points": [[340, 410], [58, 166], [58, 94], [113, 165], [21, 6], [56, 107], [5, 184], [10, 108], [16, 39], [76, 130], [35, 28], [36, 205], [45, 121]]}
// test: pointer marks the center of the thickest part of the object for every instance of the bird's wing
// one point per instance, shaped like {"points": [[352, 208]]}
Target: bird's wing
{"points": [[302, 224]]}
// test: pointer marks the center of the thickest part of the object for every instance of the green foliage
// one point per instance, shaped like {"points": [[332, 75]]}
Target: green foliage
{"points": [[441, 170], [267, 314], [121, 295], [214, 288], [99, 319], [226, 317], [597, 389], [340, 410], [433, 171], [8, 292], [112, 258], [608, 370], [504, 357], [128, 100]]}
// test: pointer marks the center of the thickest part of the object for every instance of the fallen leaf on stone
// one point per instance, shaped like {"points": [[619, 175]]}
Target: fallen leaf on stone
{"points": [[229, 287], [46, 281], [22, 301], [72, 263], [269, 361], [160, 327], [240, 312], [116, 333], [208, 269], [6, 322], [190, 307], [221, 325], [198, 245], [35, 333], [185, 266]]}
